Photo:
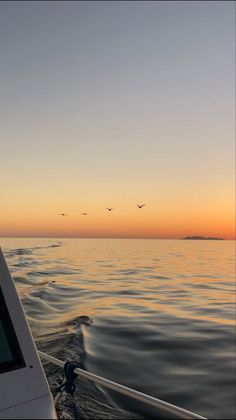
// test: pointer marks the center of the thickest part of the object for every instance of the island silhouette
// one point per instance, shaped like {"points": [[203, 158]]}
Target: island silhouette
{"points": [[209, 238]]}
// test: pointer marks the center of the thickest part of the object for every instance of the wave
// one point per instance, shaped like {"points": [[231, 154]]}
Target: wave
{"points": [[18, 251], [54, 272], [28, 251], [26, 281], [54, 245]]}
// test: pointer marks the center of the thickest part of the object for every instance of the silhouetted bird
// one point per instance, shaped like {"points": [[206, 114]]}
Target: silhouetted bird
{"points": [[109, 208], [63, 214], [141, 205], [83, 214]]}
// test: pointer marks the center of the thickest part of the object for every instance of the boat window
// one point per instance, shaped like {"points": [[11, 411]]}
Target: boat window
{"points": [[10, 354]]}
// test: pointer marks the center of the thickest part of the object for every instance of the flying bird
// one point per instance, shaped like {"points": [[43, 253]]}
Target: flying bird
{"points": [[63, 214], [83, 214], [141, 205], [109, 208]]}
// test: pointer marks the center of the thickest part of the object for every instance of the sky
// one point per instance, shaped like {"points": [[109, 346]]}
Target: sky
{"points": [[111, 104]]}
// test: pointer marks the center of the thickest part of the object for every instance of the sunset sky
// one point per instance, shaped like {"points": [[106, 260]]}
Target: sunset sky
{"points": [[110, 104]]}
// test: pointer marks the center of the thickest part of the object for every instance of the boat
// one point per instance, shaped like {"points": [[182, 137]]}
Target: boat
{"points": [[24, 389]]}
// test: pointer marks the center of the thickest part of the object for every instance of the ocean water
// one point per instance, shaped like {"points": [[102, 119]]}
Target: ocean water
{"points": [[154, 315]]}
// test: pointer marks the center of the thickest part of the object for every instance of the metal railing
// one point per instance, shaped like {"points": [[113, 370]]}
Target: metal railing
{"points": [[169, 409]]}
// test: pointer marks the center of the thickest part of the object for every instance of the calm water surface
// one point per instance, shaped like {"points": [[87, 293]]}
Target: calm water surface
{"points": [[161, 314]]}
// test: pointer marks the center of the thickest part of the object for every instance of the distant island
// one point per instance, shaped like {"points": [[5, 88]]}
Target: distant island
{"points": [[208, 238]]}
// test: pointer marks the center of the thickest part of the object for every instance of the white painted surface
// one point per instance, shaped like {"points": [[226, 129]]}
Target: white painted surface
{"points": [[40, 408], [26, 388]]}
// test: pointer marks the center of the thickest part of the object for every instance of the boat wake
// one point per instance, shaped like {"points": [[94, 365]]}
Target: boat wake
{"points": [[58, 327]]}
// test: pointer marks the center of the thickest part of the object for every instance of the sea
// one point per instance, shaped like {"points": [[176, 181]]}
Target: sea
{"points": [[154, 315]]}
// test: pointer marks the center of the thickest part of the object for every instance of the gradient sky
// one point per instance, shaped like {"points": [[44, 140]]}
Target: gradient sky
{"points": [[114, 104]]}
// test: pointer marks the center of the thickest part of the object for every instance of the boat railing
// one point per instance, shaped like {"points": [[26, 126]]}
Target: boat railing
{"points": [[169, 409]]}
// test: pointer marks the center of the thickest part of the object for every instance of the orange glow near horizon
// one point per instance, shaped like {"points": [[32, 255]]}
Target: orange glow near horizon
{"points": [[92, 126], [149, 222]]}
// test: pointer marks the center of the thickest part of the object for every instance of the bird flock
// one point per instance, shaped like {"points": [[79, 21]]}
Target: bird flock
{"points": [[107, 208]]}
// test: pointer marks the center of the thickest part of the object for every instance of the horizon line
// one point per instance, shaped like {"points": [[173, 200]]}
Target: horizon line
{"points": [[114, 237]]}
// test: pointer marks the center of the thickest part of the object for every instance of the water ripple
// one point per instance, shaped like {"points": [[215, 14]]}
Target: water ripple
{"points": [[154, 315]]}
